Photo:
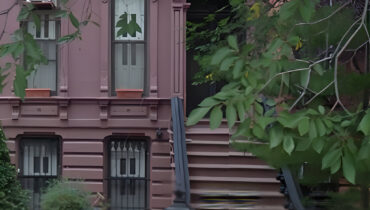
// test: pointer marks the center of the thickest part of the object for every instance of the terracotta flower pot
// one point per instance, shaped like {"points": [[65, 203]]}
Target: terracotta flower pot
{"points": [[38, 92], [129, 93]]}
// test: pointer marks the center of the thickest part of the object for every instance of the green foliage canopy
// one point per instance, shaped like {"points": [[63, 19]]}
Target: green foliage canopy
{"points": [[289, 92]]}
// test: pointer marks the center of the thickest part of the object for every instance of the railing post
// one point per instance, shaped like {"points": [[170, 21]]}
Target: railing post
{"points": [[182, 190]]}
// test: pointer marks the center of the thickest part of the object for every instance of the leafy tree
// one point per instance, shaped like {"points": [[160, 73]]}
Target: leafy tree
{"points": [[12, 196], [297, 88]]}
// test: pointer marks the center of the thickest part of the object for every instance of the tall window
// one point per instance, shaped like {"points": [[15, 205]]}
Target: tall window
{"points": [[128, 60], [39, 162], [128, 174], [45, 76]]}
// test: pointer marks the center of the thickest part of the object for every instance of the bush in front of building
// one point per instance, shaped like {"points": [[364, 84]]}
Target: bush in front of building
{"points": [[12, 196], [63, 195]]}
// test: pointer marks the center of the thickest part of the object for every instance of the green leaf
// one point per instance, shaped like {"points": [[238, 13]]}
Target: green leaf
{"points": [[20, 81], [66, 38], [36, 20], [364, 125], [288, 9], [330, 158], [215, 117], [230, 115], [196, 115], [243, 129], [345, 123], [210, 101], [238, 68], [276, 136], [364, 153], [321, 109], [74, 20], [293, 40], [264, 121], [258, 107], [226, 63], [312, 133], [258, 131], [319, 69], [288, 144], [23, 14], [220, 55], [318, 144], [320, 127], [59, 14], [304, 77], [335, 167], [303, 126], [303, 144], [233, 43], [349, 171], [241, 110], [306, 9]]}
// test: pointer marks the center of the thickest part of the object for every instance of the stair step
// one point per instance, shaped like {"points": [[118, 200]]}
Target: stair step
{"points": [[250, 207], [233, 179], [230, 166], [238, 193], [220, 154], [207, 142], [205, 131]]}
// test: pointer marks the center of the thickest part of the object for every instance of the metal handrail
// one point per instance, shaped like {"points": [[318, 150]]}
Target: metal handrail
{"points": [[182, 191]]}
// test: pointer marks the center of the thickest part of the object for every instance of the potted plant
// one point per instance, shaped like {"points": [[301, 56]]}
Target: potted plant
{"points": [[129, 93]]}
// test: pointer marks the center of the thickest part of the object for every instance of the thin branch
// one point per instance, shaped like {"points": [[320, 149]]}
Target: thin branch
{"points": [[294, 70], [304, 91], [317, 94], [6, 13], [332, 109], [341, 51], [323, 19]]}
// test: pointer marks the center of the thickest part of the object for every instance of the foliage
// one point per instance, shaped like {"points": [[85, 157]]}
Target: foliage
{"points": [[61, 195], [127, 28], [289, 85], [345, 200], [12, 197], [24, 51]]}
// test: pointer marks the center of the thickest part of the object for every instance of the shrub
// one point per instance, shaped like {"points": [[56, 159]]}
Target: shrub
{"points": [[12, 196], [61, 195]]}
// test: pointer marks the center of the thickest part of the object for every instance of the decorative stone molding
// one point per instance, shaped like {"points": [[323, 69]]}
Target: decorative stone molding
{"points": [[103, 109], [15, 109], [178, 55], [63, 110]]}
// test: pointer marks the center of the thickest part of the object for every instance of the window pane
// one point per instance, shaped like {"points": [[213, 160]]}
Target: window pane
{"points": [[123, 166], [131, 75], [36, 164], [132, 166], [135, 10], [45, 166]]}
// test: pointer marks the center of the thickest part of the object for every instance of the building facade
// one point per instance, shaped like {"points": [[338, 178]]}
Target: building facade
{"points": [[118, 147]]}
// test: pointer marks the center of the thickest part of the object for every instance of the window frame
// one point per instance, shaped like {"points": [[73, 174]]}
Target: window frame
{"points": [[58, 24], [127, 177], [25, 179], [113, 42]]}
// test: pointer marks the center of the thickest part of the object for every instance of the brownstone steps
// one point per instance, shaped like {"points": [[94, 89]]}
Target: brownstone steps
{"points": [[222, 178]]}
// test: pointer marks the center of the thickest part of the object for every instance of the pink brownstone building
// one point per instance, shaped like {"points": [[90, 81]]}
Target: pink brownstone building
{"points": [[120, 147]]}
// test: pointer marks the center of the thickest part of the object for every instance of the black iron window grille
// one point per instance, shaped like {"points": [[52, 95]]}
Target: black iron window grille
{"points": [[39, 164], [128, 177]]}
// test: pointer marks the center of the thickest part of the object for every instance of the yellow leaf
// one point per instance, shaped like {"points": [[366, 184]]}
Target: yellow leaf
{"points": [[298, 45], [255, 11]]}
